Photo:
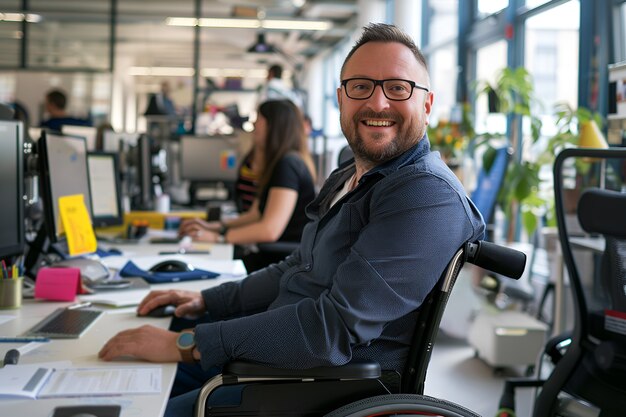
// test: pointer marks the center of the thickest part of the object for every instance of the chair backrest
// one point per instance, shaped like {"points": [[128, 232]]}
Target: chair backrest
{"points": [[345, 154], [502, 260], [604, 212], [427, 326], [488, 184], [590, 208]]}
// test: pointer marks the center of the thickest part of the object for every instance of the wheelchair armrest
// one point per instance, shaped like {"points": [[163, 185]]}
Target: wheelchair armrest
{"points": [[352, 370]]}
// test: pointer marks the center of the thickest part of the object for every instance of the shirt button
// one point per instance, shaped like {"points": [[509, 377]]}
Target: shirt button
{"points": [[307, 267]]}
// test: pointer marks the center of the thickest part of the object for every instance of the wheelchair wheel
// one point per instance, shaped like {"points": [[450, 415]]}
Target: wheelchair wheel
{"points": [[402, 405]]}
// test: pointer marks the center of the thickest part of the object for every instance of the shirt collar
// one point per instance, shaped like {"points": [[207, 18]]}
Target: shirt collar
{"points": [[406, 158]]}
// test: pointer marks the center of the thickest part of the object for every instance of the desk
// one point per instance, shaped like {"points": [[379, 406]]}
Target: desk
{"points": [[83, 352]]}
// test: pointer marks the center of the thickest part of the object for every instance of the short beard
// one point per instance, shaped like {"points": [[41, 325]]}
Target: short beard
{"points": [[398, 145]]}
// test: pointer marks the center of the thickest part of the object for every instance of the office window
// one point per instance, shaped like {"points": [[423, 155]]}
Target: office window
{"points": [[69, 40], [441, 55], [487, 7], [443, 21], [551, 57], [490, 60], [10, 5], [10, 43], [443, 75], [619, 33], [531, 4]]}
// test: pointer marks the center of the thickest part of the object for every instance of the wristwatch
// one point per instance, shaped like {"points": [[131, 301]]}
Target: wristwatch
{"points": [[186, 343], [221, 238]]}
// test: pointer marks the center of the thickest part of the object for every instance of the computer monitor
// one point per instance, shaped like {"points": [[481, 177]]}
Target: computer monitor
{"points": [[114, 141], [12, 185], [87, 132], [104, 184], [62, 171], [209, 158]]}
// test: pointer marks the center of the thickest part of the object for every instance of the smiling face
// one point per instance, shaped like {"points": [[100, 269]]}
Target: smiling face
{"points": [[379, 129]]}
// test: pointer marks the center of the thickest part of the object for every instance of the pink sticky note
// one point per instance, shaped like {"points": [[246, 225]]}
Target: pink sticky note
{"points": [[57, 284]]}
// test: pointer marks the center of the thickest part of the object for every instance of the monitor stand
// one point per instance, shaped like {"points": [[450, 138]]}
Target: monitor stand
{"points": [[41, 247]]}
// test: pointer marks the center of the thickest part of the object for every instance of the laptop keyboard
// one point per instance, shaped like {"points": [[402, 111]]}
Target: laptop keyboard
{"points": [[64, 323]]}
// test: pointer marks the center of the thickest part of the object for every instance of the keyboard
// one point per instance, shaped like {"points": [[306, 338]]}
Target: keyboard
{"points": [[64, 323]]}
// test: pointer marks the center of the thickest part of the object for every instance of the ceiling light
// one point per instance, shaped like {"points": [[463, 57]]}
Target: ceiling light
{"points": [[20, 17], [260, 46], [162, 71], [229, 23], [181, 21], [295, 24], [277, 24], [204, 72]]}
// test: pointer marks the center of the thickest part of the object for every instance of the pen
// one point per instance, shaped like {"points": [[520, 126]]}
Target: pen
{"points": [[23, 339], [186, 252], [79, 305]]}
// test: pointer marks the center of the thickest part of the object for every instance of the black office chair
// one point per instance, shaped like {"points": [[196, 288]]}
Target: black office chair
{"points": [[345, 154], [589, 374], [315, 392]]}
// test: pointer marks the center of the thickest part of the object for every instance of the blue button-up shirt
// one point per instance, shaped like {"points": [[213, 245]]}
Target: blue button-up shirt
{"points": [[363, 268]]}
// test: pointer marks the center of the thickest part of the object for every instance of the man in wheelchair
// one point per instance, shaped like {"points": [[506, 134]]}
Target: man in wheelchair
{"points": [[382, 230]]}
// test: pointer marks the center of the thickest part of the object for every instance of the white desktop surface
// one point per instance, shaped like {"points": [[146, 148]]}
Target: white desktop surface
{"points": [[83, 352]]}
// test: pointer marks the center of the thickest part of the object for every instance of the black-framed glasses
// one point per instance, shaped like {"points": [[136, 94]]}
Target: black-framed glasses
{"points": [[395, 89]]}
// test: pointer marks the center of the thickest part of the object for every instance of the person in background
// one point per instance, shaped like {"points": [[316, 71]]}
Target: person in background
{"points": [[55, 106], [286, 177], [382, 231], [161, 103], [276, 89]]}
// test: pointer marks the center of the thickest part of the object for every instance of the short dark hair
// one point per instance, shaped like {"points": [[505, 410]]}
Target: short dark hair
{"points": [[382, 32], [276, 70], [57, 98]]}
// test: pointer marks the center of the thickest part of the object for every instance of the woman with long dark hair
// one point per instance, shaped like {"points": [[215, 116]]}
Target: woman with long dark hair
{"points": [[286, 177]]}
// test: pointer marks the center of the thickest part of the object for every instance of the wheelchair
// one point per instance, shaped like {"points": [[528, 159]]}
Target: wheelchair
{"points": [[359, 388]]}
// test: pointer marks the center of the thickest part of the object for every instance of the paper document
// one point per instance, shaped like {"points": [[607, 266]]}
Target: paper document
{"points": [[117, 298], [34, 381]]}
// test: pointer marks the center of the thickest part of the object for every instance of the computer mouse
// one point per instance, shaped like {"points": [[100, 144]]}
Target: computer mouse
{"points": [[172, 265], [162, 311], [115, 251]]}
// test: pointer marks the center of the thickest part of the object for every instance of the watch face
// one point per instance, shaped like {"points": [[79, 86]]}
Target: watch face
{"points": [[185, 340]]}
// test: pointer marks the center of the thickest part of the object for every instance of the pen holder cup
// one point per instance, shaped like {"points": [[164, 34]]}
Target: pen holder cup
{"points": [[10, 293]]}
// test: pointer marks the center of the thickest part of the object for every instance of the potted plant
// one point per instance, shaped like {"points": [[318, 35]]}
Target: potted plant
{"points": [[512, 94], [521, 191], [451, 138]]}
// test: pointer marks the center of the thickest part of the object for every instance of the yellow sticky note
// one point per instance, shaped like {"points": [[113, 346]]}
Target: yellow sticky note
{"points": [[77, 225]]}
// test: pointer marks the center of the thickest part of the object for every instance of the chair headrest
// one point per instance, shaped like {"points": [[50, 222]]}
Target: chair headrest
{"points": [[603, 211]]}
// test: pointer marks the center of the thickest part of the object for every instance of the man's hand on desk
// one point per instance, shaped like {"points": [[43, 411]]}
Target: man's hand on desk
{"points": [[146, 342], [188, 303]]}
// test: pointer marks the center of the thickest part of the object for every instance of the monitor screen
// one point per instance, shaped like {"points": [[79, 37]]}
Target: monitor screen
{"points": [[63, 171], [209, 158], [12, 186], [104, 183], [114, 141], [87, 132]]}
